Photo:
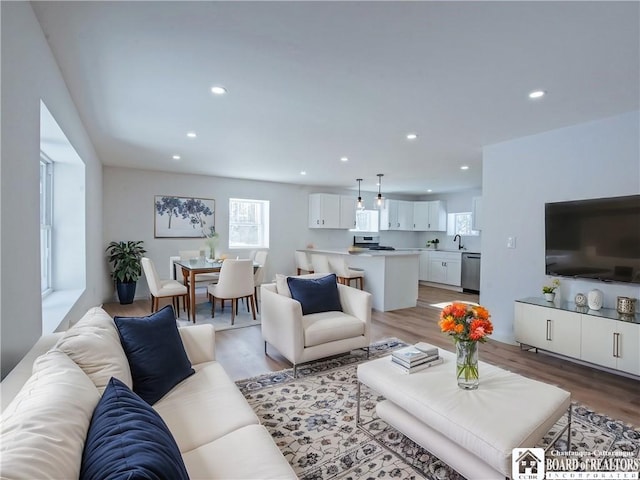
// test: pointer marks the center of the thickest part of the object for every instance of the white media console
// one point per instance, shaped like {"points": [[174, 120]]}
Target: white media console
{"points": [[604, 338]]}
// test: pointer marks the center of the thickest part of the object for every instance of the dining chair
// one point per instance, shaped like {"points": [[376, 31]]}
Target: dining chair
{"points": [[258, 276], [345, 273], [201, 278], [236, 281], [302, 262], [164, 288], [320, 263]]}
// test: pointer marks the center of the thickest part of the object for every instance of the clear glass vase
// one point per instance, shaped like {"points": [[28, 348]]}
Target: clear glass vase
{"points": [[467, 364]]}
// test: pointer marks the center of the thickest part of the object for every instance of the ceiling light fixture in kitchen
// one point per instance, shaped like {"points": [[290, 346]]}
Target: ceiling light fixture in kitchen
{"points": [[379, 199], [360, 203]]}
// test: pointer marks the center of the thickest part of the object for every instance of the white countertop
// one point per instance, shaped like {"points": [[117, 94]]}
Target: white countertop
{"points": [[364, 252]]}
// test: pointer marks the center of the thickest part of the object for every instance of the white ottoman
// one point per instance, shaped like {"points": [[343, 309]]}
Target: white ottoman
{"points": [[474, 431]]}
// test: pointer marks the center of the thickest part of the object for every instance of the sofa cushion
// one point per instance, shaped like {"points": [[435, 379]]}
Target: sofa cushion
{"points": [[204, 407], [128, 439], [248, 452], [155, 352], [316, 294], [94, 344], [42, 431], [325, 327]]}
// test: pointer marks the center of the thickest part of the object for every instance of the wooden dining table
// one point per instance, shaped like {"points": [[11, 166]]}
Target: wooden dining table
{"points": [[191, 268]]}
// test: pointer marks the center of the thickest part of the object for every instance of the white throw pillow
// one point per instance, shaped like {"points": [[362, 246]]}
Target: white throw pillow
{"points": [[94, 344], [43, 429]]}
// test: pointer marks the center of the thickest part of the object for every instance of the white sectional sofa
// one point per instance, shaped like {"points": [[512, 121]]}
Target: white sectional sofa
{"points": [[48, 402]]}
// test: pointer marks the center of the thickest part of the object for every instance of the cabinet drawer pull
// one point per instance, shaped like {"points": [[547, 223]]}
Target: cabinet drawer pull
{"points": [[548, 330], [616, 345]]}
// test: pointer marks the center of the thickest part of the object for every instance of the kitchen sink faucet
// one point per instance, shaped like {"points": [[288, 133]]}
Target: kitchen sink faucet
{"points": [[460, 246]]}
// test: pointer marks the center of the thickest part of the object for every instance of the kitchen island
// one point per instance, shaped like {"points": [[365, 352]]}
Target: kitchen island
{"points": [[391, 276]]}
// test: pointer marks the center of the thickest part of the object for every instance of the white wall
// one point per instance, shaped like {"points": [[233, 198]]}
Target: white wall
{"points": [[30, 74], [596, 159]]}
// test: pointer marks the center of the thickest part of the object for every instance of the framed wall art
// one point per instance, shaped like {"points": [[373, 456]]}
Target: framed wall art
{"points": [[183, 217]]}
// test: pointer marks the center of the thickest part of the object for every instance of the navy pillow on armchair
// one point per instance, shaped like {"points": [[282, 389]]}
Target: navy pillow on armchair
{"points": [[127, 439], [155, 352], [316, 294]]}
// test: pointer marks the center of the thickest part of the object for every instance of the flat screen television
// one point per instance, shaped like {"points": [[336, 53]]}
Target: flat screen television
{"points": [[597, 239]]}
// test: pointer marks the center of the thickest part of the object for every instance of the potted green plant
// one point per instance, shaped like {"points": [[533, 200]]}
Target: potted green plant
{"points": [[125, 258], [433, 243]]}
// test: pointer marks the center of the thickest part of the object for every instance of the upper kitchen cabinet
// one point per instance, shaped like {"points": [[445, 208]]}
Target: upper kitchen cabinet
{"points": [[476, 213], [430, 216], [348, 206], [396, 215], [327, 210], [324, 210]]}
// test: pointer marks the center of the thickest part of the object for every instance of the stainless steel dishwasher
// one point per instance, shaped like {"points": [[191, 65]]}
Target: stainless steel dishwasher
{"points": [[471, 272]]}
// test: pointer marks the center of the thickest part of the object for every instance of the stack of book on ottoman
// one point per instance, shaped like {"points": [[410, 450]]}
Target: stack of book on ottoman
{"points": [[416, 357]]}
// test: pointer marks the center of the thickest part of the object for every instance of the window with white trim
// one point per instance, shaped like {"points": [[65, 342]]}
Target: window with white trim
{"points": [[248, 223], [46, 223], [460, 224]]}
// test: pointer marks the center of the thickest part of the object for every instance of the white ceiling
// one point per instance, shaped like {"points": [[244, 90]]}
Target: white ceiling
{"points": [[310, 82]]}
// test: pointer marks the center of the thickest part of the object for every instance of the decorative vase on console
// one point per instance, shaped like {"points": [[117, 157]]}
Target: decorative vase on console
{"points": [[595, 299], [468, 325]]}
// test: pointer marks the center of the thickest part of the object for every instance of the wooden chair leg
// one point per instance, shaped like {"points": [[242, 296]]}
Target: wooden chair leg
{"points": [[213, 306], [255, 296], [253, 306], [234, 307]]}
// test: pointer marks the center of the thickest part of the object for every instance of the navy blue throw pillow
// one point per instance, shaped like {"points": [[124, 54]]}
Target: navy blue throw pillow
{"points": [[316, 294], [127, 439], [155, 352]]}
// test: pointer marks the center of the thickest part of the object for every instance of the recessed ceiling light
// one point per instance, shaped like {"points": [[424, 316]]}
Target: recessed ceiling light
{"points": [[537, 94], [464, 167], [217, 90], [176, 157], [411, 136], [303, 172], [429, 190], [191, 134], [344, 159]]}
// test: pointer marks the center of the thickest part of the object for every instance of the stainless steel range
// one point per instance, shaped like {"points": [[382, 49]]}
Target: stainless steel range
{"points": [[371, 242]]}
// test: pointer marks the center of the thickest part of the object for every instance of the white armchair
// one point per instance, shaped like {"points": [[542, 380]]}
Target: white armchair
{"points": [[302, 338]]}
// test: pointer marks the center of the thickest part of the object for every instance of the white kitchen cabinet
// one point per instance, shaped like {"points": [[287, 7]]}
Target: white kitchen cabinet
{"points": [[476, 213], [611, 343], [550, 329], [445, 268], [405, 215], [421, 216], [347, 212], [423, 273], [396, 215], [324, 210], [437, 216], [429, 216]]}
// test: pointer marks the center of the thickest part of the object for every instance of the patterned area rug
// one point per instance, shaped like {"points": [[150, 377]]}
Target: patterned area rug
{"points": [[312, 420]]}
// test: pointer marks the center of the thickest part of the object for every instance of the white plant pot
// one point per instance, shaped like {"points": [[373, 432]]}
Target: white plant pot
{"points": [[549, 297]]}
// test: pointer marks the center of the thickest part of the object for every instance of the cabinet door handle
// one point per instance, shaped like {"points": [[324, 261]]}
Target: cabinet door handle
{"points": [[317, 222], [548, 330], [616, 345], [323, 222]]}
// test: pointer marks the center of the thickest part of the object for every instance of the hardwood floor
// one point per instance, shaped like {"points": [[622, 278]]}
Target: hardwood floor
{"points": [[241, 352]]}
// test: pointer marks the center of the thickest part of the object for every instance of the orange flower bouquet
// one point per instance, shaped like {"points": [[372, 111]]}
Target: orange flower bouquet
{"points": [[468, 324]]}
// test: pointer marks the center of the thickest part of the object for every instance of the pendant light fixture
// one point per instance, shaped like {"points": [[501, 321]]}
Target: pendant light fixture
{"points": [[379, 199], [360, 203]]}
